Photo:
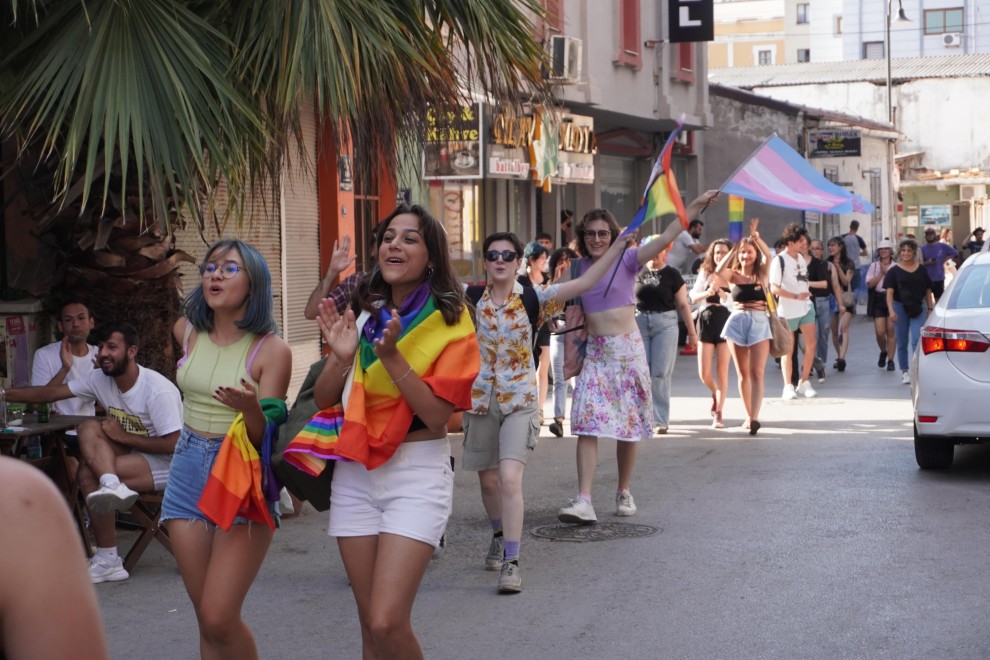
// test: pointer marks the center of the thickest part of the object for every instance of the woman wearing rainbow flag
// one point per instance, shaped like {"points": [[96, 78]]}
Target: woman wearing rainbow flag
{"points": [[395, 374]]}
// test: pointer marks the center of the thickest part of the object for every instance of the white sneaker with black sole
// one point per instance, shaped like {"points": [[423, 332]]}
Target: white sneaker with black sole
{"points": [[577, 511]]}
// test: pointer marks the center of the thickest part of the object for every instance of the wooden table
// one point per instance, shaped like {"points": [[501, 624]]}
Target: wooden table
{"points": [[54, 459]]}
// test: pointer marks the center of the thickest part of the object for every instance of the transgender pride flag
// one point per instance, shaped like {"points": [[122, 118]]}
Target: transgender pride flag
{"points": [[777, 175]]}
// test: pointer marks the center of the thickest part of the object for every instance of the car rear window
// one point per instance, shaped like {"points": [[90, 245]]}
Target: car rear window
{"points": [[973, 288]]}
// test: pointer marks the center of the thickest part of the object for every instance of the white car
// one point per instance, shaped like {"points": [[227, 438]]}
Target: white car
{"points": [[950, 371]]}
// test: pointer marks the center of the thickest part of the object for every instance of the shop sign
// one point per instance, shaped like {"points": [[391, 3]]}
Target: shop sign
{"points": [[453, 145], [576, 160], [826, 143], [936, 214], [508, 162]]}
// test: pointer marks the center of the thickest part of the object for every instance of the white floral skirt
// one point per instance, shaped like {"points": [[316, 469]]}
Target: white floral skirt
{"points": [[612, 393]]}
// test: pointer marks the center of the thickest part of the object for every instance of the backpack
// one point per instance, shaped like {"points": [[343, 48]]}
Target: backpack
{"points": [[530, 301]]}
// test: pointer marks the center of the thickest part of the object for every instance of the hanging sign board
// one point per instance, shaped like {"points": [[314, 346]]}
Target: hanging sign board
{"points": [[825, 143], [453, 146]]}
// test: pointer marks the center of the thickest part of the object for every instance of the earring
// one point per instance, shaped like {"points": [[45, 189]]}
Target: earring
{"points": [[429, 271]]}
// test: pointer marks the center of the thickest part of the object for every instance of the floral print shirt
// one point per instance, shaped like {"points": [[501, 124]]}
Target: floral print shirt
{"points": [[506, 341]]}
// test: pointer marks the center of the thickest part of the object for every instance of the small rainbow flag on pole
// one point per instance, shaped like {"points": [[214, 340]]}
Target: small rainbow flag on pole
{"points": [[737, 209], [661, 195]]}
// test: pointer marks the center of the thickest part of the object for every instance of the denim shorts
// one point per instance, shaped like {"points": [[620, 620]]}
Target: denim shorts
{"points": [[747, 327], [411, 495], [191, 465]]}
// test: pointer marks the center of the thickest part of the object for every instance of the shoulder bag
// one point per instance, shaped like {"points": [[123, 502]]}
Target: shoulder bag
{"points": [[781, 337]]}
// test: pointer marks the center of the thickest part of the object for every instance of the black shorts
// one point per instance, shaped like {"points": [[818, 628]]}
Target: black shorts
{"points": [[543, 336], [876, 305], [710, 322]]}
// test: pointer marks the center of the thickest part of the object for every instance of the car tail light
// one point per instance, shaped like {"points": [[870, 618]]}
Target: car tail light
{"points": [[935, 339], [927, 419]]}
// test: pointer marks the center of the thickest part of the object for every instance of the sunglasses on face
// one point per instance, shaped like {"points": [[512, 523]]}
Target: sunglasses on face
{"points": [[227, 269], [507, 255], [601, 233]]}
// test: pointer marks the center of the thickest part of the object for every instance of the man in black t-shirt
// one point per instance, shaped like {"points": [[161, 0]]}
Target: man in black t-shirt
{"points": [[976, 244]]}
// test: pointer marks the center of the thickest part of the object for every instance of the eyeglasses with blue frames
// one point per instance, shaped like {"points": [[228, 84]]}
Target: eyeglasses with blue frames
{"points": [[507, 255], [601, 233], [227, 269]]}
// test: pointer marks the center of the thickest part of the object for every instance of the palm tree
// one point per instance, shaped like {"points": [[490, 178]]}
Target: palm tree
{"points": [[121, 118]]}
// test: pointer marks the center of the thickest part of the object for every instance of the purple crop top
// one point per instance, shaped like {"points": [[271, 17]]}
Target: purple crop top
{"points": [[622, 292]]}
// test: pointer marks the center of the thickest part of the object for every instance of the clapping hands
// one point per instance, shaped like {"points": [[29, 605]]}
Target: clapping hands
{"points": [[339, 331]]}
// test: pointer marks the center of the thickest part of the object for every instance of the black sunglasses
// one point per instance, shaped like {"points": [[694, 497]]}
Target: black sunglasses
{"points": [[507, 255]]}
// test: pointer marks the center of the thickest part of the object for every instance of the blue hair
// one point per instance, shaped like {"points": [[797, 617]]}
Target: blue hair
{"points": [[259, 318]]}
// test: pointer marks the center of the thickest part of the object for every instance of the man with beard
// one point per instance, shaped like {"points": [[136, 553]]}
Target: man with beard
{"points": [[686, 248], [129, 451], [68, 359]]}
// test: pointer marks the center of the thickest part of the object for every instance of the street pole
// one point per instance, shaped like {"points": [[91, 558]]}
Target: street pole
{"points": [[891, 228]]}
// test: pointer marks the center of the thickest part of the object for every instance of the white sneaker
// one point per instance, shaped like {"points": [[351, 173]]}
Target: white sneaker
{"points": [[905, 378], [577, 511], [789, 393], [624, 505], [105, 500], [101, 570], [804, 388]]}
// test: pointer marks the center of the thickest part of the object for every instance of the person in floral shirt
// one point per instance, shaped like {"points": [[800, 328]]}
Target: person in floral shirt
{"points": [[502, 426]]}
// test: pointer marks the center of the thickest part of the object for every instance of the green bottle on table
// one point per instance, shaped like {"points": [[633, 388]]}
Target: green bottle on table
{"points": [[43, 411]]}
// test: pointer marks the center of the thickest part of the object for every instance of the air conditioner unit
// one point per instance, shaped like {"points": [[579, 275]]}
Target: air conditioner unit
{"points": [[952, 39], [972, 192], [565, 59]]}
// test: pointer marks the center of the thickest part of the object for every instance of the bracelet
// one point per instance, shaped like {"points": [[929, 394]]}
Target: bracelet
{"points": [[402, 377]]}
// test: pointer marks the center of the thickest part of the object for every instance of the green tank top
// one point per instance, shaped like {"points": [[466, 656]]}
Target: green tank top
{"points": [[205, 369]]}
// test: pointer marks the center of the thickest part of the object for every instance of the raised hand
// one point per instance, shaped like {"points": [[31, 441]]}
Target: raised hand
{"points": [[339, 331], [386, 346], [754, 224], [340, 259], [65, 354]]}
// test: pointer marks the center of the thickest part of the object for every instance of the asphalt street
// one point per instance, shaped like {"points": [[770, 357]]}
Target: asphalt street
{"points": [[818, 538]]}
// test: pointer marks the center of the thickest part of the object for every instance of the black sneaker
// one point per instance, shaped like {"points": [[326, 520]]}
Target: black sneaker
{"points": [[840, 364], [890, 365], [883, 359], [820, 370]]}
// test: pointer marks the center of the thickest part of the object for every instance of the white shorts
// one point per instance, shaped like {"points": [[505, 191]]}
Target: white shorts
{"points": [[411, 495], [159, 464]]}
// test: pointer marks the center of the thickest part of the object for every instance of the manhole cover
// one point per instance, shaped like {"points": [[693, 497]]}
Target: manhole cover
{"points": [[603, 531]]}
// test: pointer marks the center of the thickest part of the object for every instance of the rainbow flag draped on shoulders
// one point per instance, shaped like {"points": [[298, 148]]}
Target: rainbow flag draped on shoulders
{"points": [[376, 418]]}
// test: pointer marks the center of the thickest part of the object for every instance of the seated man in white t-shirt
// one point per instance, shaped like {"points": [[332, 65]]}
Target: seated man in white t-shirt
{"points": [[69, 359], [789, 282], [129, 451]]}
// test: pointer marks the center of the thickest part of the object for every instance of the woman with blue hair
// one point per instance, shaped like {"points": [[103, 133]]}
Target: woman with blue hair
{"points": [[234, 375]]}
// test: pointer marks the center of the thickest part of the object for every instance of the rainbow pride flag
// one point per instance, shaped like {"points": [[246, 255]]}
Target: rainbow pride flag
{"points": [[661, 195], [775, 174], [376, 418]]}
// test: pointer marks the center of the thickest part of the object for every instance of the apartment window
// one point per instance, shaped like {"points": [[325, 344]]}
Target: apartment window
{"points": [[684, 64], [764, 57], [804, 54], [802, 13], [837, 24], [630, 53], [940, 21], [552, 23], [873, 50]]}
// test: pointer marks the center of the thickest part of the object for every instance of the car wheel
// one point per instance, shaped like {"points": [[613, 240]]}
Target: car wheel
{"points": [[933, 453]]}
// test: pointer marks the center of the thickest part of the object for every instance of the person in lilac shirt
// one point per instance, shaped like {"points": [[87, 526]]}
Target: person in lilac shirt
{"points": [[933, 256]]}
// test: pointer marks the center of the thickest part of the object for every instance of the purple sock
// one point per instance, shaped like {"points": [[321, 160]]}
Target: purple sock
{"points": [[511, 550], [496, 524]]}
